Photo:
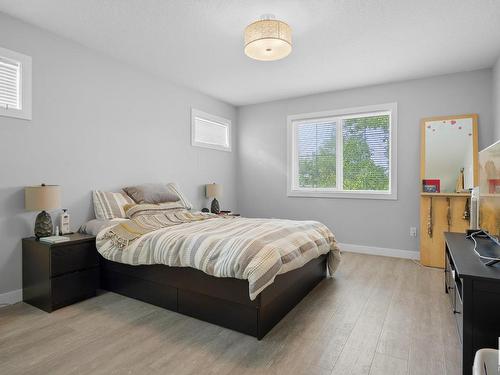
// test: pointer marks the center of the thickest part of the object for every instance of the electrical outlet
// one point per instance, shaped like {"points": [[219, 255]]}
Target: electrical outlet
{"points": [[413, 231]]}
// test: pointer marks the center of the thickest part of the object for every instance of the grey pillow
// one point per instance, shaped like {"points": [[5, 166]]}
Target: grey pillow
{"points": [[151, 193], [93, 227]]}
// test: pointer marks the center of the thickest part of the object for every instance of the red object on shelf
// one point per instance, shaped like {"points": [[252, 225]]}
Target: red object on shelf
{"points": [[494, 184], [431, 185]]}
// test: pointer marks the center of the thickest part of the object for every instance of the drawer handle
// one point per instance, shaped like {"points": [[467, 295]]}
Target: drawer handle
{"points": [[450, 288], [456, 312]]}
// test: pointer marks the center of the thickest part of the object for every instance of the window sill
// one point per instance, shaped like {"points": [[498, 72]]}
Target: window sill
{"points": [[342, 195], [15, 113]]}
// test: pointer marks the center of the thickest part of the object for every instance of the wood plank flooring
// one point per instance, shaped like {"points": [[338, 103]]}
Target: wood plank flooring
{"points": [[378, 315]]}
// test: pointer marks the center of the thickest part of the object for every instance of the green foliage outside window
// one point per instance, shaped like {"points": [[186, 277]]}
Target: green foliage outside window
{"points": [[364, 167]]}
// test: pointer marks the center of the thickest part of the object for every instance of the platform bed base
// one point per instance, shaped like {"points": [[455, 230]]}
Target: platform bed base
{"points": [[222, 301]]}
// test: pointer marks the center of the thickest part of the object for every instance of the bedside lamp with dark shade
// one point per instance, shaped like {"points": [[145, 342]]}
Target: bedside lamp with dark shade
{"points": [[42, 198], [214, 191]]}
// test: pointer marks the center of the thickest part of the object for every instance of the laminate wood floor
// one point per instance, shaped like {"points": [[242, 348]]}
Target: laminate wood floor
{"points": [[378, 315]]}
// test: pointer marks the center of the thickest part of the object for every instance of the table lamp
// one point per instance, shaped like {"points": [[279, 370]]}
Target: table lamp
{"points": [[214, 191], [42, 197]]}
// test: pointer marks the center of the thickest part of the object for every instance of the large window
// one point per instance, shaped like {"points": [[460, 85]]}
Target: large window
{"points": [[15, 84], [347, 153], [210, 131]]}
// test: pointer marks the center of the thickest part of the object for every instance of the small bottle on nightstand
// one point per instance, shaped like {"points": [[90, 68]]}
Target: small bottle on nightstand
{"points": [[65, 222]]}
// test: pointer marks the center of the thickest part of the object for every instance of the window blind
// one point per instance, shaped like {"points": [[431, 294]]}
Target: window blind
{"points": [[316, 147], [366, 153], [211, 132], [9, 84]]}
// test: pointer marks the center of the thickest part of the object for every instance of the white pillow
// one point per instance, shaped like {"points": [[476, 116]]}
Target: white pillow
{"points": [[184, 201]]}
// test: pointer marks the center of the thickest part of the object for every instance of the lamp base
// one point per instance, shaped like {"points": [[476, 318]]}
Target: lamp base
{"points": [[43, 225], [215, 208]]}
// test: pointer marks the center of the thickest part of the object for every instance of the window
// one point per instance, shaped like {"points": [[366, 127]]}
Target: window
{"points": [[210, 131], [15, 84], [349, 153]]}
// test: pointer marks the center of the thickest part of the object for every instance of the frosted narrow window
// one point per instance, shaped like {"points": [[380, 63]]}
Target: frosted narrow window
{"points": [[210, 131], [10, 80], [15, 84]]}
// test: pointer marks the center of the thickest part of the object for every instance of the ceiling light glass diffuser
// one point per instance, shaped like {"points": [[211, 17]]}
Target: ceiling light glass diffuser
{"points": [[268, 39]]}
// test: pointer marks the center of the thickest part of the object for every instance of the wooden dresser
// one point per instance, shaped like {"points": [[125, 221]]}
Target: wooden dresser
{"points": [[439, 213], [474, 292]]}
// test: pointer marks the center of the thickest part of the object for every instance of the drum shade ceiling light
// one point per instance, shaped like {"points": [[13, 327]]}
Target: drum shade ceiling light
{"points": [[268, 39]]}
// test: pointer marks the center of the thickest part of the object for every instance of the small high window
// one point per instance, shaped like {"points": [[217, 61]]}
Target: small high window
{"points": [[15, 84], [210, 131]]}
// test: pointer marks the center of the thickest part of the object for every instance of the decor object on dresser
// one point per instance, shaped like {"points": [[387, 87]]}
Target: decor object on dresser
{"points": [[59, 274], [214, 191], [43, 197], [449, 148], [431, 185]]}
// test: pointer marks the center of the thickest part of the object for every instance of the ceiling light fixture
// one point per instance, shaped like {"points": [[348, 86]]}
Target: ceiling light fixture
{"points": [[268, 39]]}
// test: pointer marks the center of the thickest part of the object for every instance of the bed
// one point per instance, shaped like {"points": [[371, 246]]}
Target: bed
{"points": [[239, 273]]}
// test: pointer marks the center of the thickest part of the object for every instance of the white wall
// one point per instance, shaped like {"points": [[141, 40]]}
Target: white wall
{"points": [[97, 124], [496, 98], [381, 223]]}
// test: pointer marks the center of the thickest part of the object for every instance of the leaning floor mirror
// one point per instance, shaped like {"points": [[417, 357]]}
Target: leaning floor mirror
{"points": [[449, 170]]}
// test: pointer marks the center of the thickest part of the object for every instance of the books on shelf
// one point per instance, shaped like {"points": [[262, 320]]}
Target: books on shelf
{"points": [[54, 239]]}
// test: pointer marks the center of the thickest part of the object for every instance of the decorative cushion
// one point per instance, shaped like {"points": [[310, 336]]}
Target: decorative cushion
{"points": [[151, 193], [109, 205], [154, 209]]}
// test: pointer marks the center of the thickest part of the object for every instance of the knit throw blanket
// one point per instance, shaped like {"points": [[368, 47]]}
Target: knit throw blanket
{"points": [[146, 218]]}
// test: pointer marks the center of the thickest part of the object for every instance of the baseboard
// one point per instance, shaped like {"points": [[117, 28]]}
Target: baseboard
{"points": [[383, 251], [11, 297]]}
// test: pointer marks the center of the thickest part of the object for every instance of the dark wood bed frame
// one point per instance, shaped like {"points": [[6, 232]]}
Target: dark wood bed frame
{"points": [[222, 301]]}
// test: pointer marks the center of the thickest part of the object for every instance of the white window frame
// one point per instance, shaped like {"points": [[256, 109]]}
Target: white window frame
{"points": [[25, 85], [293, 190], [214, 119]]}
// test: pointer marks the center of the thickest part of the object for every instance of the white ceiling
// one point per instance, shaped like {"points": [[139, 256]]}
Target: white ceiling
{"points": [[337, 43]]}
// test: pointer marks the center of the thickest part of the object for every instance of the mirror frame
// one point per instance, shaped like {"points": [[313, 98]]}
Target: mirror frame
{"points": [[475, 146]]}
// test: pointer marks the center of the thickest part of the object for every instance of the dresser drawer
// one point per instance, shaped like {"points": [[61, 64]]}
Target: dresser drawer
{"points": [[449, 282], [66, 259], [458, 311], [74, 287]]}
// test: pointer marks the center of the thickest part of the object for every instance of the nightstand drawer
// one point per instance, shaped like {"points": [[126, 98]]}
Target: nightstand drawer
{"points": [[74, 257], [74, 287]]}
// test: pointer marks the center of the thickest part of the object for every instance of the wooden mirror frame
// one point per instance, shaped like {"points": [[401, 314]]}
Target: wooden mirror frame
{"points": [[475, 146]]}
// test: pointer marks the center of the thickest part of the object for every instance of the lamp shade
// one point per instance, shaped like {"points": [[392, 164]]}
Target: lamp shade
{"points": [[43, 197], [213, 190], [268, 39]]}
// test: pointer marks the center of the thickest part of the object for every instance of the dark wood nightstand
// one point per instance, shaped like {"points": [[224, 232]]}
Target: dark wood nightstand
{"points": [[57, 275]]}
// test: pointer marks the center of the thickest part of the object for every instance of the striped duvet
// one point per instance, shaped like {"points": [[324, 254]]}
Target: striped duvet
{"points": [[256, 250]]}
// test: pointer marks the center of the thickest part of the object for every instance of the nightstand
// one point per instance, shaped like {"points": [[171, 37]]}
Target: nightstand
{"points": [[57, 275]]}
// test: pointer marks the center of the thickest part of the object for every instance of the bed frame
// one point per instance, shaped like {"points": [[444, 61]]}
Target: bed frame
{"points": [[222, 301]]}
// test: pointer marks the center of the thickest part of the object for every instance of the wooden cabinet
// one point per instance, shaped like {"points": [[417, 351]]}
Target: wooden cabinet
{"points": [[57, 275], [439, 213]]}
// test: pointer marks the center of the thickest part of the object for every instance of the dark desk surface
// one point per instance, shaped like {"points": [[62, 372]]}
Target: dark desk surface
{"points": [[467, 263]]}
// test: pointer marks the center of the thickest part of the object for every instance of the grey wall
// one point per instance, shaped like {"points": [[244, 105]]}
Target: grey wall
{"points": [[383, 223], [97, 124], [496, 98]]}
